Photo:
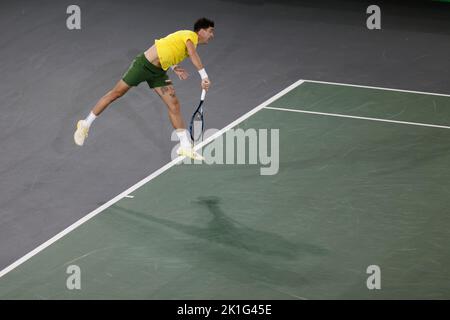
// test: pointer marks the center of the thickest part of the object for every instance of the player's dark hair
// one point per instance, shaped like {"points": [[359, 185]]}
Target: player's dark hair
{"points": [[203, 23]]}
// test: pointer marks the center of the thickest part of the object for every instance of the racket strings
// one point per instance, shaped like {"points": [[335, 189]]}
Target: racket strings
{"points": [[197, 127], [197, 124]]}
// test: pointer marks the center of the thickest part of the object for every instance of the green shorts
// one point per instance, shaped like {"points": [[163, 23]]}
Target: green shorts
{"points": [[142, 70]]}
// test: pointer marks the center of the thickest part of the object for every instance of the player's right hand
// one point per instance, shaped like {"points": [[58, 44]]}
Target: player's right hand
{"points": [[205, 84]]}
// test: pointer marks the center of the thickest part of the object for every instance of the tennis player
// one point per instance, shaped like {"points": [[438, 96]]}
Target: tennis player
{"points": [[151, 66]]}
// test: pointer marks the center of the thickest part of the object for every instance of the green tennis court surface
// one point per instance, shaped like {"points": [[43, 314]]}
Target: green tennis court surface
{"points": [[349, 193]]}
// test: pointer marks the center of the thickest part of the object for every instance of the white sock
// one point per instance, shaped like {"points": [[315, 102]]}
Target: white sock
{"points": [[184, 139], [90, 118]]}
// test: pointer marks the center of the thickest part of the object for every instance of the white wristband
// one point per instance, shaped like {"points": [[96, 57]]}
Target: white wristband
{"points": [[203, 73], [173, 67]]}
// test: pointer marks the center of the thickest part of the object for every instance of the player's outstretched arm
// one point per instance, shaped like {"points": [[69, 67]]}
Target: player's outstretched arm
{"points": [[197, 62]]}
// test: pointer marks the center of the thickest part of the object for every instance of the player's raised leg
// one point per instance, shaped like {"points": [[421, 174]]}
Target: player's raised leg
{"points": [[83, 125], [168, 95]]}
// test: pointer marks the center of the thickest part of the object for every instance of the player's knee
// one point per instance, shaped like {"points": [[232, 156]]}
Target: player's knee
{"points": [[116, 94]]}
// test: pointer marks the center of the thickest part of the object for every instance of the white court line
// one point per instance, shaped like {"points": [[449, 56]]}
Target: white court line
{"points": [[377, 88], [361, 118], [142, 182], [248, 114]]}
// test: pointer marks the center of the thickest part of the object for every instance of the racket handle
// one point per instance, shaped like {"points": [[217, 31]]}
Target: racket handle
{"points": [[203, 95]]}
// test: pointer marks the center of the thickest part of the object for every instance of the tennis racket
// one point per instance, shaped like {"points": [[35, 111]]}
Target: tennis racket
{"points": [[197, 124]]}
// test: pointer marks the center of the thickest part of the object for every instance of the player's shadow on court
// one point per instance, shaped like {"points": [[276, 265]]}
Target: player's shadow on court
{"points": [[237, 252], [226, 231]]}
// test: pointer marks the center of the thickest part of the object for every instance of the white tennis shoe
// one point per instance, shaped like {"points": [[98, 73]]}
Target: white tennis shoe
{"points": [[81, 133], [189, 152]]}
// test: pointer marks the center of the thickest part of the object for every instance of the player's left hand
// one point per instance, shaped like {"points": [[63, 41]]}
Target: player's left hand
{"points": [[181, 73]]}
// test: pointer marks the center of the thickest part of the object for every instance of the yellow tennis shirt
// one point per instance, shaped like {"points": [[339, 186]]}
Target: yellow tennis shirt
{"points": [[172, 49]]}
